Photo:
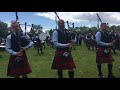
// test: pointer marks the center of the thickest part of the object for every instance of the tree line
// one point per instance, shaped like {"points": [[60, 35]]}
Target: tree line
{"points": [[36, 29]]}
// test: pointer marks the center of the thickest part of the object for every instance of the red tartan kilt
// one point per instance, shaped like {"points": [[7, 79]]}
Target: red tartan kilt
{"points": [[101, 58], [60, 62], [14, 70]]}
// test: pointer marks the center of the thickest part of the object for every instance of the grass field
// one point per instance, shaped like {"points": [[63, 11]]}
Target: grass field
{"points": [[41, 64]]}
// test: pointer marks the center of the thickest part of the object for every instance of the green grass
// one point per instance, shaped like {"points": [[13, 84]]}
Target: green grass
{"points": [[41, 64]]}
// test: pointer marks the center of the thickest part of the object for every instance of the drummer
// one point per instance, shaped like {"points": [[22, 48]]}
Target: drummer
{"points": [[42, 37], [39, 45]]}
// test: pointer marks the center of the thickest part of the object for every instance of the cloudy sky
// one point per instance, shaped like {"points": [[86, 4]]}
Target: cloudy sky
{"points": [[47, 19]]}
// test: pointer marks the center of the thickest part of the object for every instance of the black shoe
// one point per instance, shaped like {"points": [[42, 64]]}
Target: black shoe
{"points": [[42, 52], [111, 76], [115, 53], [0, 56], [25, 77], [100, 76], [38, 52]]}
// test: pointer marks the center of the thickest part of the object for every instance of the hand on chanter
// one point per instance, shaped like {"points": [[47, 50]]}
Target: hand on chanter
{"points": [[110, 44], [69, 45], [19, 53]]}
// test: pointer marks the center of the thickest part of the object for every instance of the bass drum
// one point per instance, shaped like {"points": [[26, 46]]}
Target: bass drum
{"points": [[42, 36]]}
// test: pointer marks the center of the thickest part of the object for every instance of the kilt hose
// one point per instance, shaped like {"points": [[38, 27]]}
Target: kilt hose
{"points": [[14, 70], [61, 62], [102, 57]]}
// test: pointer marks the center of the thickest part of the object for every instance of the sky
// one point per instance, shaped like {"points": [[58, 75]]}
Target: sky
{"points": [[47, 19]]}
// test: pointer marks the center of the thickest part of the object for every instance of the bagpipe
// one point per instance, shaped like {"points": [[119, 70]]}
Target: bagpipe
{"points": [[107, 34], [99, 19], [108, 37], [23, 40], [66, 30], [69, 32]]}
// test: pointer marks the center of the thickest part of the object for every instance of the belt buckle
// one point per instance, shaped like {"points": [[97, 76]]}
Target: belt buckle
{"points": [[65, 54], [106, 51], [18, 59]]}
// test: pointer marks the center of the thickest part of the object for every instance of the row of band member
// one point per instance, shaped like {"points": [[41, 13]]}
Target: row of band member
{"points": [[17, 43]]}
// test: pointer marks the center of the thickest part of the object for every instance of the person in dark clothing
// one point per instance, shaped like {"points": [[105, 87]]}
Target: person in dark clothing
{"points": [[18, 63], [103, 54], [63, 59]]}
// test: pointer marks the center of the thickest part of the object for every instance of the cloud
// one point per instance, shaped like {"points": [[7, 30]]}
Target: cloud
{"points": [[28, 28], [112, 18], [45, 29], [89, 25], [49, 15], [8, 23]]}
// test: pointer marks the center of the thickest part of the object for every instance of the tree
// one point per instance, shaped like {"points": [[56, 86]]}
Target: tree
{"points": [[94, 29], [38, 29], [51, 32], [113, 27], [3, 29], [35, 30]]}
